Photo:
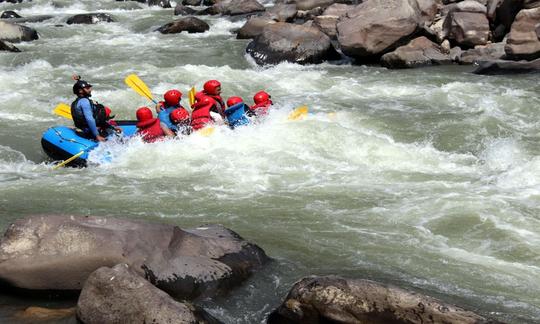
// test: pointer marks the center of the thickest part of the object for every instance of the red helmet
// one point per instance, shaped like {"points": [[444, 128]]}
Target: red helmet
{"points": [[211, 87], [233, 101], [172, 97], [179, 115], [261, 97], [144, 114]]}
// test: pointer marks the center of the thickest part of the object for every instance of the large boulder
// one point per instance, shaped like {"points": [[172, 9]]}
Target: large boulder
{"points": [[254, 27], [90, 18], [8, 47], [236, 7], [489, 52], [497, 67], [189, 24], [327, 22], [282, 42], [467, 29], [332, 299], [376, 27], [523, 40], [16, 33], [120, 295], [419, 52], [464, 6], [59, 252]]}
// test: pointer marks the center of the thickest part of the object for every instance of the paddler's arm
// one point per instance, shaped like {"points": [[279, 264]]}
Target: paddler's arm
{"points": [[87, 112]]}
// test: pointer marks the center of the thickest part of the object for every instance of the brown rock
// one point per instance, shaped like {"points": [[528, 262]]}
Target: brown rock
{"points": [[523, 41], [467, 29], [188, 24], [253, 27], [419, 52]]}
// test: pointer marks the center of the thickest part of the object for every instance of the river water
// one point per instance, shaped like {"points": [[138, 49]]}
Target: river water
{"points": [[428, 179]]}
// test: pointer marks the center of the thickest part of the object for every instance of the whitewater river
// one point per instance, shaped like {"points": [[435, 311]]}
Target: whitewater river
{"points": [[428, 179]]}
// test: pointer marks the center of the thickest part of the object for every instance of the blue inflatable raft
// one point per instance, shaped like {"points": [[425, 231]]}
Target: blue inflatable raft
{"points": [[62, 142]]}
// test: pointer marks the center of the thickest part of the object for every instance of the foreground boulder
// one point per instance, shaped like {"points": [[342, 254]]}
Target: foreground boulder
{"points": [[524, 39], [419, 52], [189, 24], [284, 42], [59, 252], [376, 27], [16, 33], [120, 295], [497, 67], [90, 18], [333, 299], [253, 27]]}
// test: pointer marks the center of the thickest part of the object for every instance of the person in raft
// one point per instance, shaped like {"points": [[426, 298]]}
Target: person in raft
{"points": [[262, 103], [88, 115], [181, 121], [150, 128], [165, 108], [207, 102], [236, 112]]}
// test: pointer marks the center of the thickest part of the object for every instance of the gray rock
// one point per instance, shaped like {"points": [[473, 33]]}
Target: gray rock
{"points": [[488, 52], [467, 29], [530, 4], [16, 33], [311, 4], [327, 24], [419, 52], [192, 2], [523, 42], [6, 46], [498, 67], [503, 12], [338, 9], [9, 14], [237, 7], [282, 12], [253, 27], [182, 10], [160, 3], [189, 24], [464, 6], [333, 299], [90, 18], [59, 252], [284, 42], [305, 15], [120, 295], [376, 27]]}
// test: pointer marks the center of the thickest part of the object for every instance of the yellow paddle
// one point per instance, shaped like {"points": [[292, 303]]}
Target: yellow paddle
{"points": [[135, 83], [63, 110], [191, 95], [299, 113], [59, 165]]}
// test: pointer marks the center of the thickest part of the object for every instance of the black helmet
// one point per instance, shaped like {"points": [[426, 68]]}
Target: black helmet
{"points": [[80, 84]]}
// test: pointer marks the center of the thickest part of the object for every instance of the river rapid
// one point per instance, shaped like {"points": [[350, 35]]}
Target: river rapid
{"points": [[428, 179]]}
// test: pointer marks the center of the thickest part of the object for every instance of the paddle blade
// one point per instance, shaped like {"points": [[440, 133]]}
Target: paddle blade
{"points": [[191, 94], [207, 131], [298, 113], [59, 165], [135, 83], [63, 110]]}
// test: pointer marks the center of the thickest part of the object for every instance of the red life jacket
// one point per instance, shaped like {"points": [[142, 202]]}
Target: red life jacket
{"points": [[262, 108], [200, 116], [150, 130]]}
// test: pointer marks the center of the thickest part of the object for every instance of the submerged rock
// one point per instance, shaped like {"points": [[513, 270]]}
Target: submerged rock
{"points": [[59, 253], [497, 67], [189, 24], [333, 299], [6, 46], [284, 42], [493, 51], [90, 18], [120, 295], [9, 14], [16, 33]]}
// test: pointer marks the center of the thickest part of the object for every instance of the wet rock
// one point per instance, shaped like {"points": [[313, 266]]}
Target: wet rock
{"points": [[282, 12], [488, 52], [237, 7], [90, 18], [192, 2], [419, 52], [16, 33], [120, 295], [376, 27], [523, 41], [467, 29], [9, 14], [333, 299], [284, 42], [56, 252], [35, 314], [6, 46], [181, 10], [253, 27], [498, 67], [189, 24], [160, 3]]}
